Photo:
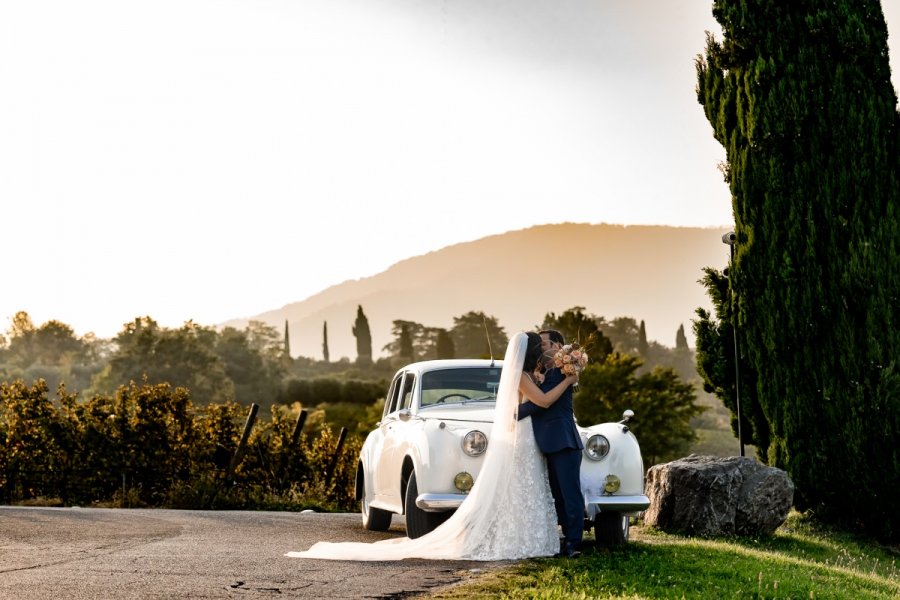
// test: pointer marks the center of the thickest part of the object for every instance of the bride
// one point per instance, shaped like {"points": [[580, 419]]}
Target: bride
{"points": [[509, 513]]}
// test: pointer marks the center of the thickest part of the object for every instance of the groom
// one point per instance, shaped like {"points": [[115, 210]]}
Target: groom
{"points": [[559, 441]]}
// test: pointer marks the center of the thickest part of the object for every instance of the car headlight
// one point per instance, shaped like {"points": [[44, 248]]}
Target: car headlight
{"points": [[596, 447], [612, 484], [463, 481], [475, 443]]}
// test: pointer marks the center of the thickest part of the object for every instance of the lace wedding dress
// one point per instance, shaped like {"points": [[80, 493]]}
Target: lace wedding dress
{"points": [[509, 512]]}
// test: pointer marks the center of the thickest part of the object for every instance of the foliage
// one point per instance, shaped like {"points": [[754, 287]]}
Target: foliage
{"points": [[325, 352], [576, 326], [148, 445], [477, 335], [183, 357], [799, 561], [800, 96], [51, 352], [445, 346], [363, 338], [662, 403]]}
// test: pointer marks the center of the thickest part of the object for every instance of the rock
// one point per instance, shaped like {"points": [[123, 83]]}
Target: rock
{"points": [[708, 496]]}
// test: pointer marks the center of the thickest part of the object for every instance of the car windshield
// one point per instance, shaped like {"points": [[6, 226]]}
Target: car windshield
{"points": [[453, 386]]}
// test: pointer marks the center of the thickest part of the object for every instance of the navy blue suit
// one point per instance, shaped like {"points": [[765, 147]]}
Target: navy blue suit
{"points": [[559, 441]]}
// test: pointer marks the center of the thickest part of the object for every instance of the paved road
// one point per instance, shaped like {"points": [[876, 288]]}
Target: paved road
{"points": [[90, 553]]}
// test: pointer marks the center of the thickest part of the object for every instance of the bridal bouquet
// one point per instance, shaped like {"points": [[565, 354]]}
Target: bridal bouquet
{"points": [[571, 358]]}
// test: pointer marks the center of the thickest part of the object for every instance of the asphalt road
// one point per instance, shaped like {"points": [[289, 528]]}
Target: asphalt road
{"points": [[94, 553]]}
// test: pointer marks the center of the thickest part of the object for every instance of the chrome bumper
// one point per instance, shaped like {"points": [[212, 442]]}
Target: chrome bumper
{"points": [[439, 502], [626, 504]]}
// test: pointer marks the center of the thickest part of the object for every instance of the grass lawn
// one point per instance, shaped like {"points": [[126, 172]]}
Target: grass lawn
{"points": [[800, 561]]}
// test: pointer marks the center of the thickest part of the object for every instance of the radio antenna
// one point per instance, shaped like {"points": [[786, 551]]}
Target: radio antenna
{"points": [[488, 336]]}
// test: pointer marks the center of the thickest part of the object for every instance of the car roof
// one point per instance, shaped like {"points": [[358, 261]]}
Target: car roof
{"points": [[450, 363]]}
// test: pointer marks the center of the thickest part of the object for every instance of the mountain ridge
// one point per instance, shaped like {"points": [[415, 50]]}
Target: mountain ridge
{"points": [[648, 272]]}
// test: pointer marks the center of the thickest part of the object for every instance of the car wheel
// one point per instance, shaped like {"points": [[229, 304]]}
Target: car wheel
{"points": [[418, 521], [373, 519], [611, 528]]}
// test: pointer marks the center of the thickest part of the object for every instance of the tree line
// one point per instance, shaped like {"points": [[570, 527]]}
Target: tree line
{"points": [[157, 405]]}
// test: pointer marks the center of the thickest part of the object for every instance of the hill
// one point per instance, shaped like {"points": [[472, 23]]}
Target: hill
{"points": [[649, 273]]}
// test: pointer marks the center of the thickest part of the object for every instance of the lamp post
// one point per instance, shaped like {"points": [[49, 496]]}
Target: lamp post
{"points": [[730, 238]]}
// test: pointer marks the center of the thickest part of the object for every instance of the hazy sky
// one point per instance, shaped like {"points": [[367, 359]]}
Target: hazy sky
{"points": [[214, 159]]}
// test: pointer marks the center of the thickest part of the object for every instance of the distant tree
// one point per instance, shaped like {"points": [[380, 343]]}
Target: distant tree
{"points": [[643, 347], [681, 339], [253, 362], [363, 338], [407, 340], [445, 348], [579, 327], [624, 334], [184, 357], [52, 344], [325, 353], [476, 335], [287, 340], [406, 344]]}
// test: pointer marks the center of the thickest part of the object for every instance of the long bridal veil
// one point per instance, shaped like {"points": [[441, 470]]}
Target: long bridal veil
{"points": [[478, 530]]}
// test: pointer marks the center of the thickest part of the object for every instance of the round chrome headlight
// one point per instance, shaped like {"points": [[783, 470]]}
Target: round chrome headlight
{"points": [[475, 443], [597, 447]]}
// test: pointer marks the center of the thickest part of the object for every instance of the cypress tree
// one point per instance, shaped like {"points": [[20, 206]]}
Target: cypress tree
{"points": [[799, 94], [325, 354], [287, 340], [643, 346], [363, 338], [681, 339]]}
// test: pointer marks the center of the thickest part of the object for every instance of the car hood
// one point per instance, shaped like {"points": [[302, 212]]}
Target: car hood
{"points": [[477, 413]]}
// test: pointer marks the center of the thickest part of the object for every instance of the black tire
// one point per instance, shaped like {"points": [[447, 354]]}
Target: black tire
{"points": [[373, 519], [418, 521], [611, 529]]}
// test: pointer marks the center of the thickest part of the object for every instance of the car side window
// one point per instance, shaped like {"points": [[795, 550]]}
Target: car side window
{"points": [[392, 402], [409, 385]]}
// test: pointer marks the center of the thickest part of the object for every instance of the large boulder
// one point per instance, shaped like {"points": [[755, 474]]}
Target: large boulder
{"points": [[708, 496]]}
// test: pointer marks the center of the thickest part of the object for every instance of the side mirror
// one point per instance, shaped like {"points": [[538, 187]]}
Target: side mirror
{"points": [[627, 416]]}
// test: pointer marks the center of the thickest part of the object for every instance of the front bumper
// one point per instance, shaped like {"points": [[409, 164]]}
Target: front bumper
{"points": [[595, 503], [440, 502]]}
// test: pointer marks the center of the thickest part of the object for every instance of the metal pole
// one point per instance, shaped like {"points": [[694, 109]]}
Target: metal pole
{"points": [[737, 370]]}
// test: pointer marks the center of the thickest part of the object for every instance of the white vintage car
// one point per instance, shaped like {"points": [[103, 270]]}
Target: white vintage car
{"points": [[428, 448]]}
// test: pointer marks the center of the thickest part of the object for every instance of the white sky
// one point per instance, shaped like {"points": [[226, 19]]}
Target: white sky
{"points": [[214, 159]]}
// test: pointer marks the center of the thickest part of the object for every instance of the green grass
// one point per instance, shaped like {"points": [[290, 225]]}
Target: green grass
{"points": [[800, 561]]}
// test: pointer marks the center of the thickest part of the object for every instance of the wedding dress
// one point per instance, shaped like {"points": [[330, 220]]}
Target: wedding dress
{"points": [[509, 513]]}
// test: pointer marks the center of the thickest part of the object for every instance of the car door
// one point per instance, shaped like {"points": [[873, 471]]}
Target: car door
{"points": [[394, 434]]}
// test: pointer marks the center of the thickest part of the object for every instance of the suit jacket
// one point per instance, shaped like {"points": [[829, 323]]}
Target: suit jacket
{"points": [[554, 427]]}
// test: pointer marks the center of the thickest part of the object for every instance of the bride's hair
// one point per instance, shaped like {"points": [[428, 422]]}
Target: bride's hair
{"points": [[533, 352]]}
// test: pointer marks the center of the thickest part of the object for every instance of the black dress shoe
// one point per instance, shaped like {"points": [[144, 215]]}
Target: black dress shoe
{"points": [[572, 553]]}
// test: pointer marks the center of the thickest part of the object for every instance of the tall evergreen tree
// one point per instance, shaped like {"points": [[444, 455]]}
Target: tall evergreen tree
{"points": [[287, 340], [800, 96], [681, 339], [643, 346], [363, 338], [325, 354]]}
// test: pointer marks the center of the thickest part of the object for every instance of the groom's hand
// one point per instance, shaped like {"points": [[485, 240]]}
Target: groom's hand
{"points": [[527, 409]]}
